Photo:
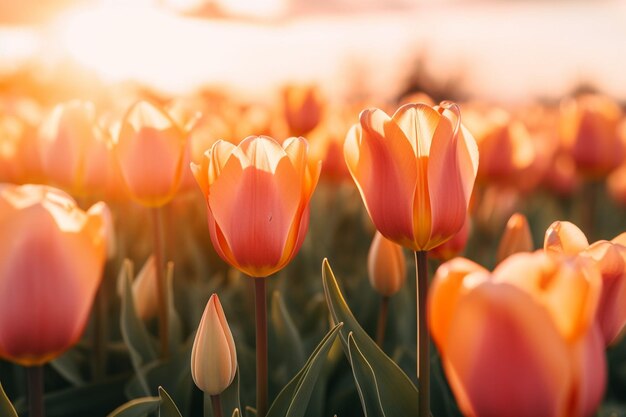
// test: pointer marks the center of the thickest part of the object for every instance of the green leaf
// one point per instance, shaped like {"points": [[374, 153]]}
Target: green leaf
{"points": [[288, 337], [167, 408], [6, 408], [365, 380], [292, 401], [236, 413], [133, 330], [250, 412], [139, 407], [398, 395]]}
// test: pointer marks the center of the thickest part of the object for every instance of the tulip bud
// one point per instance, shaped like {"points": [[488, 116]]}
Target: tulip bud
{"points": [[386, 266], [213, 356], [565, 237], [145, 290], [516, 237]]}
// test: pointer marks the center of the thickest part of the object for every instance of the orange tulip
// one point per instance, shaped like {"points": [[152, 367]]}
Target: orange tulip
{"points": [[415, 171], [74, 152], [520, 341], [386, 266], [50, 268], [257, 195], [150, 151], [213, 356], [516, 237], [588, 128], [302, 106]]}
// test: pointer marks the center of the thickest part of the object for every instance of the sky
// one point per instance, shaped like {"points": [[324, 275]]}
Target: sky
{"points": [[504, 51]]}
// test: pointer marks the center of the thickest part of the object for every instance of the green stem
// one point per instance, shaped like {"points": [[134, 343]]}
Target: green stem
{"points": [[383, 312], [216, 403], [423, 339], [157, 229], [34, 375], [261, 346]]}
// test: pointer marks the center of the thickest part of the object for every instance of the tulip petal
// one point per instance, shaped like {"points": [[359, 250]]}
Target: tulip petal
{"points": [[565, 237], [419, 123], [506, 355], [382, 163], [448, 203], [590, 370], [450, 283]]}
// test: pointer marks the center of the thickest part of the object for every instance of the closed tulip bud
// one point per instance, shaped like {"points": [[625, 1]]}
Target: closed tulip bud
{"points": [[213, 356], [519, 341], [74, 152], [516, 237], [150, 150], [257, 196], [145, 290], [302, 107], [52, 255], [386, 266], [415, 172], [565, 237]]}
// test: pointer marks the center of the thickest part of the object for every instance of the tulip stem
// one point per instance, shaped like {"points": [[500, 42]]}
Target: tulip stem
{"points": [[423, 340], [383, 312], [261, 346], [157, 229], [34, 375], [216, 402]]}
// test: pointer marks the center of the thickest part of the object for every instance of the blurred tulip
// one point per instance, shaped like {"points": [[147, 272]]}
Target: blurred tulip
{"points": [[257, 196], [588, 128], [303, 107], [213, 356], [561, 176], [507, 347], [150, 149], [145, 290], [415, 171], [74, 152], [611, 260], [453, 247], [565, 237], [516, 237], [51, 265], [616, 185], [386, 266]]}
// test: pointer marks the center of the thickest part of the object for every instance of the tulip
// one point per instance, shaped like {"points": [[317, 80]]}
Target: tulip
{"points": [[302, 106], [520, 341], [610, 259], [516, 237], [213, 356], [150, 148], [257, 195], [74, 152], [588, 129], [145, 291], [386, 266], [415, 172], [44, 305]]}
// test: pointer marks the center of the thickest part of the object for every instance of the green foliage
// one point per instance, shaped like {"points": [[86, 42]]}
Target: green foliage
{"points": [[396, 393], [6, 408]]}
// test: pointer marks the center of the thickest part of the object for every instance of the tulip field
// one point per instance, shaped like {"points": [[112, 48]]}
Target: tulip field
{"points": [[208, 255]]}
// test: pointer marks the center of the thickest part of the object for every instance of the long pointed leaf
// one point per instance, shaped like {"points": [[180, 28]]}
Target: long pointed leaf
{"points": [[167, 408], [139, 407], [397, 393], [294, 398], [365, 380], [6, 408]]}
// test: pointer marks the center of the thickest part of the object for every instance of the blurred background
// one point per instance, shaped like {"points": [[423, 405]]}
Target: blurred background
{"points": [[501, 51]]}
